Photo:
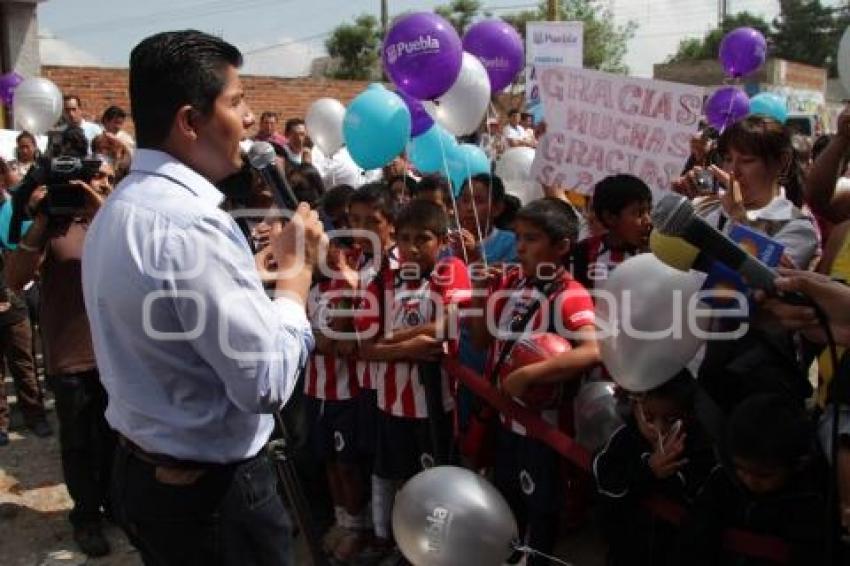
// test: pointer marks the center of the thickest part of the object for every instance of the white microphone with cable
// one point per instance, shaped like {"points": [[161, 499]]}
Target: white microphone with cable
{"points": [[262, 157]]}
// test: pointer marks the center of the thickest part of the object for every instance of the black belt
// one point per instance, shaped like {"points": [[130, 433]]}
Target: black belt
{"points": [[165, 461]]}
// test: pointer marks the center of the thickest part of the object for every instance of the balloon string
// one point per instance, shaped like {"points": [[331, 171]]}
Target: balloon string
{"points": [[452, 195], [475, 214], [530, 551]]}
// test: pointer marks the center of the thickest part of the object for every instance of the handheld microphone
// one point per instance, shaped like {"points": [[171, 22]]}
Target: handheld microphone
{"points": [[677, 253], [686, 241], [262, 156], [674, 216]]}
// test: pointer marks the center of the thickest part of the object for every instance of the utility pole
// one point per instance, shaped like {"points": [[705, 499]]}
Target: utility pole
{"points": [[384, 18], [552, 10], [721, 12]]}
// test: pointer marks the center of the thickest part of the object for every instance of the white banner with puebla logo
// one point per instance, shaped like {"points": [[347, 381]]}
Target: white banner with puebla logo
{"points": [[550, 43], [601, 124]]}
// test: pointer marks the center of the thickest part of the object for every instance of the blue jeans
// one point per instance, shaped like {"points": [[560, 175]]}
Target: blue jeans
{"points": [[230, 515]]}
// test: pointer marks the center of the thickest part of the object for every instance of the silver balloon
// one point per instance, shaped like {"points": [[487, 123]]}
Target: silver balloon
{"points": [[648, 333], [447, 516], [596, 415], [324, 124], [461, 109], [37, 105], [514, 169]]}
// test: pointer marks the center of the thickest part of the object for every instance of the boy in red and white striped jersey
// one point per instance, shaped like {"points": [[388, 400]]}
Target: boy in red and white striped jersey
{"points": [[540, 296], [622, 204], [419, 315]]}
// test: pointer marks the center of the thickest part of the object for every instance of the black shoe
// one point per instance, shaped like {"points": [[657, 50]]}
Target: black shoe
{"points": [[91, 541], [4, 438], [40, 428]]}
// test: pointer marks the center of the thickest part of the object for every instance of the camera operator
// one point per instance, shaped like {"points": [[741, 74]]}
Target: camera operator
{"points": [[52, 250], [194, 355]]}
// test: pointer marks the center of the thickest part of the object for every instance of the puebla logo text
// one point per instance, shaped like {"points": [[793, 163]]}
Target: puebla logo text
{"points": [[422, 44]]}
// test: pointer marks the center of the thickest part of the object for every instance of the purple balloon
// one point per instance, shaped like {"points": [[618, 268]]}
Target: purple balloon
{"points": [[742, 51], [422, 55], [8, 83], [499, 48], [420, 120], [726, 106]]}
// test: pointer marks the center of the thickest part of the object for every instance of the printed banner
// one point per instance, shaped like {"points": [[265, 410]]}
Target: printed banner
{"points": [[550, 43], [601, 124]]}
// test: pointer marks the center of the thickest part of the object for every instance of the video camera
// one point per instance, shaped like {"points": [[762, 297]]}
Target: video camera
{"points": [[64, 199]]}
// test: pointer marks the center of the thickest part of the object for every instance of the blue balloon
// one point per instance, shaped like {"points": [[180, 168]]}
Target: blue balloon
{"points": [[376, 127], [467, 160], [537, 111], [770, 105], [5, 223], [429, 151]]}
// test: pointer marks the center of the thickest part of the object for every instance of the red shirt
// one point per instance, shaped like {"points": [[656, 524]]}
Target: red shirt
{"points": [[511, 299], [412, 303]]}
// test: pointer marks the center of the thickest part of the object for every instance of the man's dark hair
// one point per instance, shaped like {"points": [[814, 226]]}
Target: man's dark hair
{"points": [[268, 114], [424, 215], [377, 195], [512, 111], [307, 183], [112, 113], [336, 197], [431, 183], [290, 125], [497, 187], [73, 142], [615, 192], [553, 216], [770, 429], [526, 115], [680, 389], [68, 97], [25, 135], [173, 69]]}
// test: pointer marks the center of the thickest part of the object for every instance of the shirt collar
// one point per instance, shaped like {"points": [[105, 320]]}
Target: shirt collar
{"points": [[780, 208], [155, 162]]}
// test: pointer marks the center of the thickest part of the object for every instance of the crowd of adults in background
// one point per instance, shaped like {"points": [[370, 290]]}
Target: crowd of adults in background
{"points": [[671, 488]]}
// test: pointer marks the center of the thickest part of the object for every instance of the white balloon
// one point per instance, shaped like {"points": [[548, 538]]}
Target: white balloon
{"points": [[461, 109], [450, 516], [37, 105], [514, 169], [647, 328], [844, 60], [324, 124], [595, 413]]}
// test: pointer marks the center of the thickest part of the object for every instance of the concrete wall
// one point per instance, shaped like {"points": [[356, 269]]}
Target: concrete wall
{"points": [[20, 36]]}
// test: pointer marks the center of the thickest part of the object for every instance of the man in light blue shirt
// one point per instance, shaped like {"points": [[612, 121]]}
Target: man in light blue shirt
{"points": [[72, 111], [193, 354]]}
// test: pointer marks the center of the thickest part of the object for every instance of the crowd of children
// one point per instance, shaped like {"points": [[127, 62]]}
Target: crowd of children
{"points": [[418, 274]]}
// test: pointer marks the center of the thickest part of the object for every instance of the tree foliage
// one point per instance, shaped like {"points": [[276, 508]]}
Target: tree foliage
{"points": [[460, 13], [356, 47], [805, 31]]}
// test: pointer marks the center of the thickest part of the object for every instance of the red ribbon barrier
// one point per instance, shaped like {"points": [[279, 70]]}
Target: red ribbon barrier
{"points": [[535, 426]]}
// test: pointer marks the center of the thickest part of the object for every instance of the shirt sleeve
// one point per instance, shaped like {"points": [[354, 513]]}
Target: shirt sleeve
{"points": [[576, 306], [452, 282], [800, 240], [255, 346]]}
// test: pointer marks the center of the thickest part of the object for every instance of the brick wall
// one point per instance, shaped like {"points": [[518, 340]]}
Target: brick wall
{"points": [[100, 87]]}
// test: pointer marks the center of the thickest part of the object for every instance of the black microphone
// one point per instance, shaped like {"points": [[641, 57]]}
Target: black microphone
{"points": [[674, 216], [262, 156]]}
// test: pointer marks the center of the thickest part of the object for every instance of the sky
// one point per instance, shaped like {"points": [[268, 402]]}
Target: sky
{"points": [[281, 37]]}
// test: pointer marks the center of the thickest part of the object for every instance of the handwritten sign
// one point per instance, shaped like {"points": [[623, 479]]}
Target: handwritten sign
{"points": [[600, 124]]}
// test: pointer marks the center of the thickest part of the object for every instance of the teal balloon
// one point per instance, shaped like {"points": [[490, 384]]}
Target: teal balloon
{"points": [[769, 104], [6, 221], [376, 127], [467, 160], [430, 150]]}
